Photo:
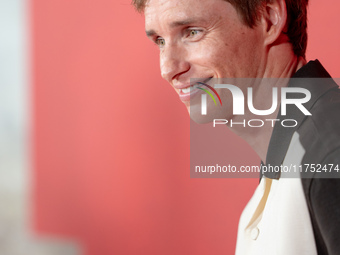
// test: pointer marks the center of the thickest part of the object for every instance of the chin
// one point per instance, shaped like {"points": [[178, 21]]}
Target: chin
{"points": [[196, 116]]}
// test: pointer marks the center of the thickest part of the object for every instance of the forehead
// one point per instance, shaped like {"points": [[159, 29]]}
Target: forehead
{"points": [[168, 11]]}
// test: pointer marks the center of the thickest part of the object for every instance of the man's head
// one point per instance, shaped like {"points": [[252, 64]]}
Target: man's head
{"points": [[207, 39], [248, 10]]}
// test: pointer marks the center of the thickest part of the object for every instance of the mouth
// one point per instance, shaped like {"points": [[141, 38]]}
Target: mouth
{"points": [[193, 87], [187, 94]]}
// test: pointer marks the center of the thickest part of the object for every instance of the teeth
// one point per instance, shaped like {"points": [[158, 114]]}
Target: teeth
{"points": [[188, 89]]}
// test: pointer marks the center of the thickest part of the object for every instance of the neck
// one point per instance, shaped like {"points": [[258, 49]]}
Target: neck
{"points": [[277, 65]]}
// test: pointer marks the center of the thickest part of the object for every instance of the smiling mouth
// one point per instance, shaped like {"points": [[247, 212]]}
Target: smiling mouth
{"points": [[195, 86]]}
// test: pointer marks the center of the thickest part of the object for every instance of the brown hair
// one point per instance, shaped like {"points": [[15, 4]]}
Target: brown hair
{"points": [[248, 10]]}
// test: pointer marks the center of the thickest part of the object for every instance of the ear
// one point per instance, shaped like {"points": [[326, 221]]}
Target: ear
{"points": [[274, 20]]}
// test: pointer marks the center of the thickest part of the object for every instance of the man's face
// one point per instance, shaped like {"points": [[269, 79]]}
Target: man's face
{"points": [[202, 39]]}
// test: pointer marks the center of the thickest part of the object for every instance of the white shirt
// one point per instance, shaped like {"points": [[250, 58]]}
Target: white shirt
{"points": [[276, 220]]}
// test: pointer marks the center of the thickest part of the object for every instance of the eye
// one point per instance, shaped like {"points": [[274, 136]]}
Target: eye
{"points": [[194, 34], [160, 41]]}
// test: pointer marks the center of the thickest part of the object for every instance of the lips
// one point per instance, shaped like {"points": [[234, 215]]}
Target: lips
{"points": [[191, 87], [196, 84], [185, 93]]}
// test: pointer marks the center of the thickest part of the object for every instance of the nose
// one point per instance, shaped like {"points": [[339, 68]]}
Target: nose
{"points": [[173, 62]]}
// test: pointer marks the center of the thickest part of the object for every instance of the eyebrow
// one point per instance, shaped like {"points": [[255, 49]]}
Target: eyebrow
{"points": [[179, 23], [150, 33], [183, 22]]}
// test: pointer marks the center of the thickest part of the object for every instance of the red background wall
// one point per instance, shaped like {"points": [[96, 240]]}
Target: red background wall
{"points": [[111, 138]]}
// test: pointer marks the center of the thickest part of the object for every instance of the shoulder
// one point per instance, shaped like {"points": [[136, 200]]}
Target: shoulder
{"points": [[320, 133]]}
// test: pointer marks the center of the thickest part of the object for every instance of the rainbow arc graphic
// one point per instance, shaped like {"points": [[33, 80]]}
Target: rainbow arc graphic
{"points": [[209, 93]]}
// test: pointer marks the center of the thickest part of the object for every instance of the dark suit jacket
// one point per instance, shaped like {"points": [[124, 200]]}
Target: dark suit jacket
{"points": [[320, 136]]}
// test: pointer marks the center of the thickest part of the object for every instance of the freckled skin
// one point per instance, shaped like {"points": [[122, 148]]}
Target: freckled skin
{"points": [[227, 48], [222, 46]]}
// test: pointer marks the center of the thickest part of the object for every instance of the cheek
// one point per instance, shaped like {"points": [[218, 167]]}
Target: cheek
{"points": [[242, 54], [230, 55], [211, 54]]}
